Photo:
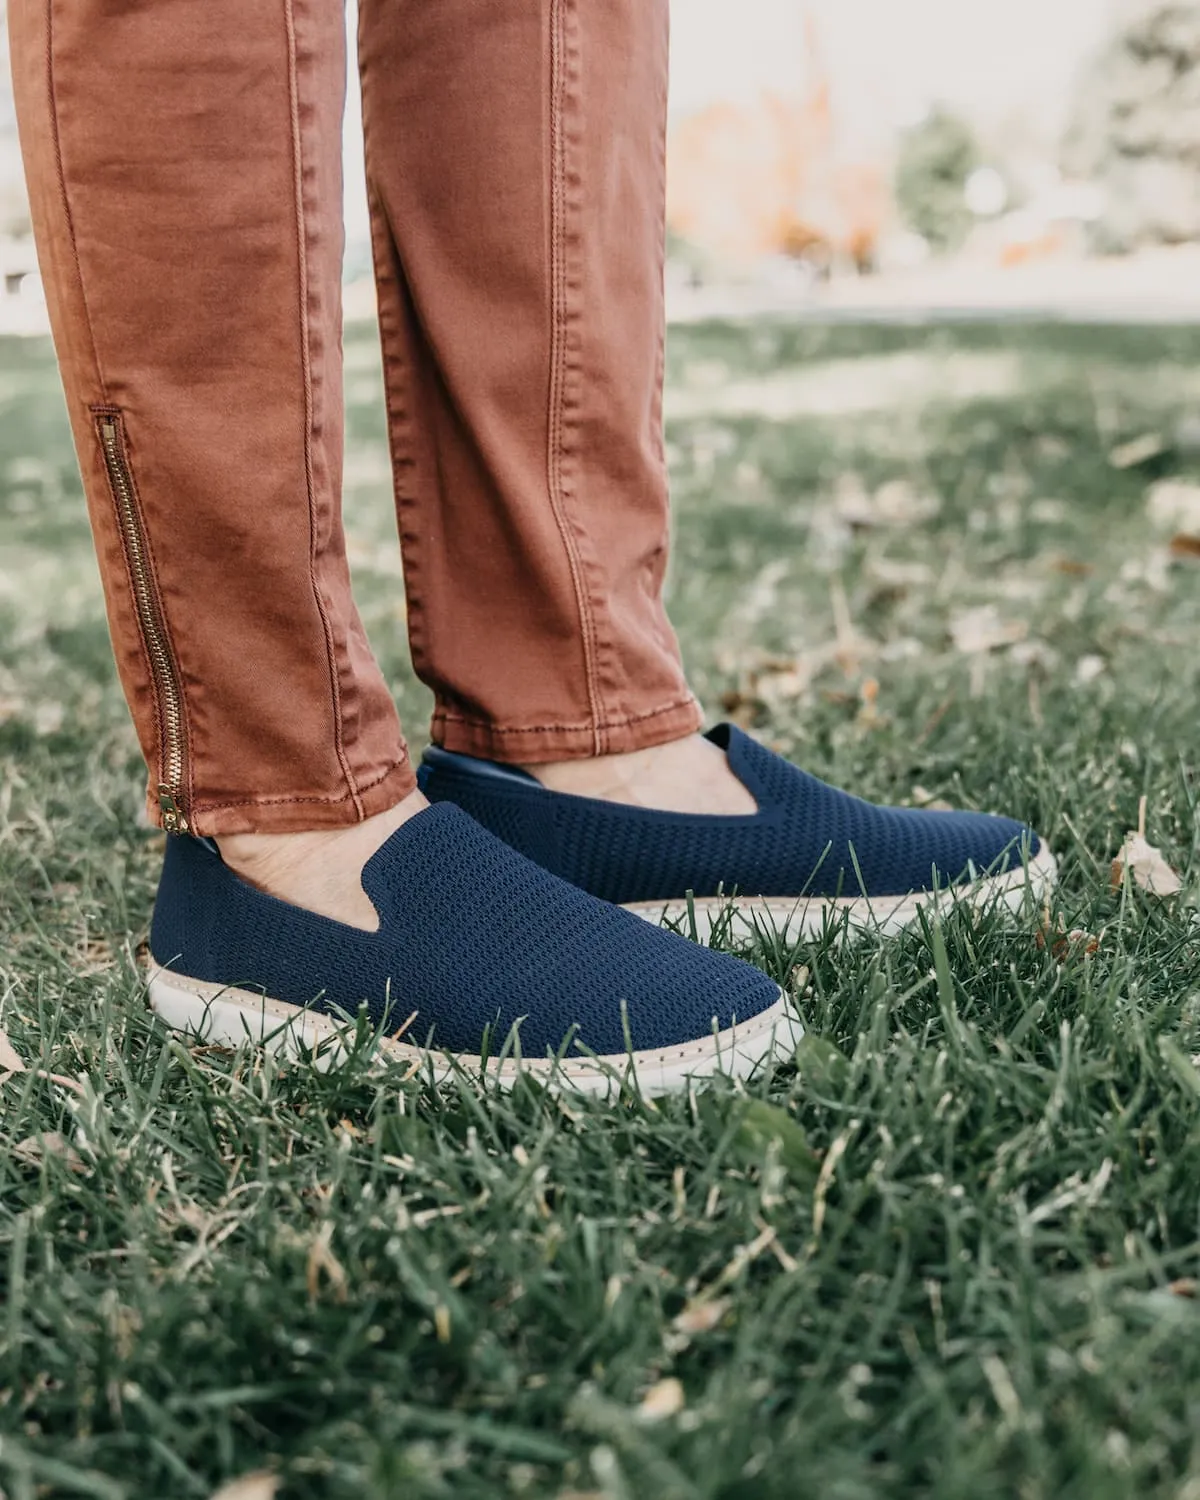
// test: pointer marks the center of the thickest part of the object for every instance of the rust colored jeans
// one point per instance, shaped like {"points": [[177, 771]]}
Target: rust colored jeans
{"points": [[184, 166]]}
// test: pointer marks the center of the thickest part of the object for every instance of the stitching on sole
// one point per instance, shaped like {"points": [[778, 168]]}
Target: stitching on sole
{"points": [[247, 1002]]}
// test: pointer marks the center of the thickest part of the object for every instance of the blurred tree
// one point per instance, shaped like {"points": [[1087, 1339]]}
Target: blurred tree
{"points": [[936, 158], [1136, 127]]}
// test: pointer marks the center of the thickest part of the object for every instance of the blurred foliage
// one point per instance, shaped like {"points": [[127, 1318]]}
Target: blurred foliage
{"points": [[1136, 128], [936, 158]]}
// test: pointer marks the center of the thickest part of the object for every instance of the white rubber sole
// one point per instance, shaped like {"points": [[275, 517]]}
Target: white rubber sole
{"points": [[230, 1017], [786, 916]]}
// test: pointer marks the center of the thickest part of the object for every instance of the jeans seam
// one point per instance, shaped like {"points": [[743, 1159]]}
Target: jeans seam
{"points": [[443, 716], [562, 366], [362, 788], [309, 412]]}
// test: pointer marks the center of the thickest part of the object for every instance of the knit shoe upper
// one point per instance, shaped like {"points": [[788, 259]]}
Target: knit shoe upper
{"points": [[807, 839], [472, 937]]}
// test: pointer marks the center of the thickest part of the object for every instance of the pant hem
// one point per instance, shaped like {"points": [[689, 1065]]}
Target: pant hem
{"points": [[515, 744], [300, 814]]}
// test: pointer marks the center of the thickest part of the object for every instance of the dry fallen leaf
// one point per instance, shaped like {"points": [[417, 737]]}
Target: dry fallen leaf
{"points": [[782, 682], [1144, 862], [1186, 1286], [702, 1317], [1184, 544], [1139, 450], [260, 1485], [11, 1060], [743, 709], [1072, 566], [869, 716], [34, 1149], [663, 1399], [1064, 945]]}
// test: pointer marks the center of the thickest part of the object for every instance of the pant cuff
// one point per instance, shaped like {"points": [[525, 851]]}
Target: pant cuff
{"points": [[298, 814], [514, 744]]}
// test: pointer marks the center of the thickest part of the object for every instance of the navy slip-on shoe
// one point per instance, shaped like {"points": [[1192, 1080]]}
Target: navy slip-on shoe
{"points": [[809, 851], [473, 941]]}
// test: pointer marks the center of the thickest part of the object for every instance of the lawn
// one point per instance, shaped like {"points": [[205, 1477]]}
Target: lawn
{"points": [[953, 1252]]}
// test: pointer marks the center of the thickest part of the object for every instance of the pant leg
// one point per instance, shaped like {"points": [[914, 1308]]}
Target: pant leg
{"points": [[184, 167], [515, 164]]}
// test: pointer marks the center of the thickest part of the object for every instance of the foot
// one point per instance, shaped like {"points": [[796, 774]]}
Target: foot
{"points": [[799, 851], [470, 944], [690, 775], [320, 870]]}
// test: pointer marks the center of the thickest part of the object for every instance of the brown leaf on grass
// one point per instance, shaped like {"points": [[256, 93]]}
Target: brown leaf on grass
{"points": [[1139, 450], [260, 1485], [764, 683], [1072, 566], [783, 683], [742, 708], [1144, 862], [1064, 945], [1184, 544], [702, 1316], [665, 1398], [34, 1149], [869, 716], [11, 1060], [1185, 1286]]}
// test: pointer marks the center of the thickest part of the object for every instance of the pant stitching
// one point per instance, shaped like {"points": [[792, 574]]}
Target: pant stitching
{"points": [[560, 314], [363, 788], [66, 200], [661, 191], [443, 717], [306, 361]]}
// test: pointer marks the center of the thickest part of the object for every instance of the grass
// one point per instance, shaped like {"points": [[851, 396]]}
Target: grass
{"points": [[954, 1253]]}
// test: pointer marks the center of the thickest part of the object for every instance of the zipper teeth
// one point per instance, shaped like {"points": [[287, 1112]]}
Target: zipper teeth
{"points": [[150, 621]]}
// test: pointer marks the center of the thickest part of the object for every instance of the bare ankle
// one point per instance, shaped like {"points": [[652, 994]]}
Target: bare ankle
{"points": [[319, 869], [688, 775]]}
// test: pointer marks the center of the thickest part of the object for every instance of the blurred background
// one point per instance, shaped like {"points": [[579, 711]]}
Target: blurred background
{"points": [[866, 154]]}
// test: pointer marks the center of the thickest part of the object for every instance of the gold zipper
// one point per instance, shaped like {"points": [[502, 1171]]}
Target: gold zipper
{"points": [[165, 674]]}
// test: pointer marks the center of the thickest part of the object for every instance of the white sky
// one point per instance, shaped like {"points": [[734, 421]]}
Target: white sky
{"points": [[1007, 64], [890, 58]]}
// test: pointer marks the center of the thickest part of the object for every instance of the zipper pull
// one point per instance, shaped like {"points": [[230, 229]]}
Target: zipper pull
{"points": [[172, 814]]}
